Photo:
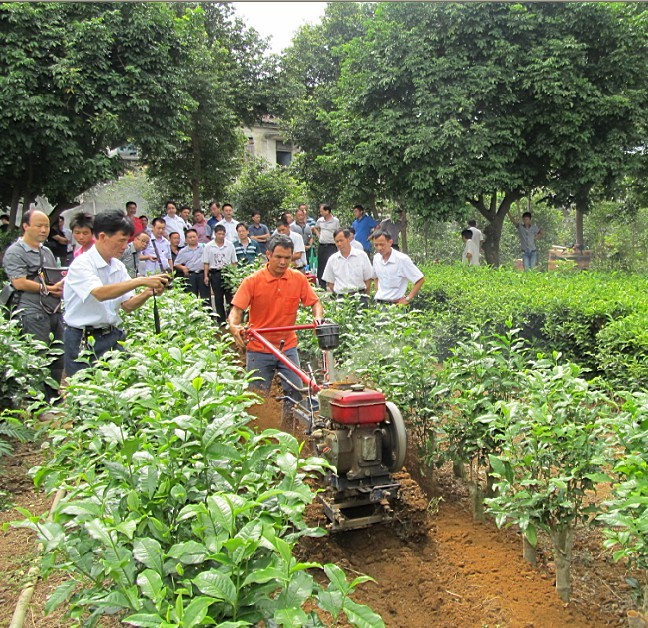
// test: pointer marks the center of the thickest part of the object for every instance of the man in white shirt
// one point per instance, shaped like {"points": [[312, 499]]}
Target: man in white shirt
{"points": [[394, 271], [157, 255], [229, 223], [299, 250], [189, 262], [174, 223], [217, 255], [478, 236], [470, 255], [348, 271], [97, 288], [324, 228]]}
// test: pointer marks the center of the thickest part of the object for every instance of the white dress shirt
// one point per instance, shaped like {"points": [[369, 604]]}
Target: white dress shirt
{"points": [[87, 272], [230, 229], [175, 223], [393, 275], [348, 274]]}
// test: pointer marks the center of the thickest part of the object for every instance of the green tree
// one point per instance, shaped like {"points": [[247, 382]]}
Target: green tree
{"points": [[226, 83], [448, 103], [307, 86], [270, 190], [75, 80]]}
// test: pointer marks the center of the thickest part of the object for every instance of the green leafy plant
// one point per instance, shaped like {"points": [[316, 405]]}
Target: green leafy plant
{"points": [[553, 449], [176, 512], [626, 513]]}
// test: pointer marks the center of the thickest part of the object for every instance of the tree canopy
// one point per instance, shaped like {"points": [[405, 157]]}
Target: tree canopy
{"points": [[76, 80], [440, 104]]}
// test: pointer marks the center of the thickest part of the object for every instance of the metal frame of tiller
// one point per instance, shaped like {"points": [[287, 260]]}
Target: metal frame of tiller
{"points": [[356, 429]]}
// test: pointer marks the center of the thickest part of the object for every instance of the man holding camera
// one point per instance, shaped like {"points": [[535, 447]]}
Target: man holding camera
{"points": [[98, 287]]}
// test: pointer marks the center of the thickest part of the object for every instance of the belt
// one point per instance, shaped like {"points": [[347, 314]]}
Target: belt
{"points": [[350, 293], [385, 301], [215, 270], [327, 243], [196, 272], [96, 331]]}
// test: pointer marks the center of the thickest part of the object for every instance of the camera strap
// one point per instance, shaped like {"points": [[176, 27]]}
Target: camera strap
{"points": [[157, 254], [156, 311]]}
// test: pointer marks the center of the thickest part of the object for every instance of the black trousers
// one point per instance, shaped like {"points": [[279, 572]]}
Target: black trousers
{"points": [[222, 295], [196, 285], [324, 251]]}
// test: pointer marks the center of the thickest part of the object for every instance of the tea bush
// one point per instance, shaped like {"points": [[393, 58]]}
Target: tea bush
{"points": [[177, 513]]}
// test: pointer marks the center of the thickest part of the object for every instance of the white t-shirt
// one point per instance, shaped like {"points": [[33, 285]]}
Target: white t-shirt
{"points": [[230, 229], [473, 248], [393, 275], [348, 273], [478, 236], [219, 256], [87, 272]]}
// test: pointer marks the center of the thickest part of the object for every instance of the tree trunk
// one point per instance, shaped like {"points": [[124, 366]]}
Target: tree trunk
{"points": [[13, 211], [495, 216], [403, 234], [477, 500], [563, 540], [579, 227], [197, 170], [528, 551]]}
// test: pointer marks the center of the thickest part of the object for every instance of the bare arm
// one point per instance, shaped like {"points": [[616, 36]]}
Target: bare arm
{"points": [[513, 220], [318, 311], [29, 285], [368, 285], [413, 292], [156, 283], [329, 286], [235, 327]]}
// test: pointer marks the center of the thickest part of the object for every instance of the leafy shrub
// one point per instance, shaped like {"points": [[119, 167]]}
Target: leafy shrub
{"points": [[622, 351], [24, 362], [176, 512], [626, 514]]}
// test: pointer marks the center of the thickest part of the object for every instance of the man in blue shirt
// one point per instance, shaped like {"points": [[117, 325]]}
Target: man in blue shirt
{"points": [[364, 226], [247, 250]]}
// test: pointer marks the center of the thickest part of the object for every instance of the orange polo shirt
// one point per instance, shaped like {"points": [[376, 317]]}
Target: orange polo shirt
{"points": [[273, 302]]}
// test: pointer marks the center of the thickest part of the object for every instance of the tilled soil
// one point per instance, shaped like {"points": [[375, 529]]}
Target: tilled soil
{"points": [[434, 567]]}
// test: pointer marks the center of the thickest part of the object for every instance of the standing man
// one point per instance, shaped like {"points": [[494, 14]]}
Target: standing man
{"points": [[326, 226], [131, 257], [299, 250], [470, 254], [301, 227], [478, 236], [364, 226], [393, 228], [215, 214], [528, 234], [259, 232], [247, 250], [229, 223], [38, 303], [310, 221], [272, 295], [189, 262], [394, 271], [157, 254], [348, 271], [201, 226], [131, 212], [216, 256], [97, 288], [173, 221]]}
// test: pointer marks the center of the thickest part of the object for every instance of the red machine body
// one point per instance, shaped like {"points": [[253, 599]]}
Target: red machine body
{"points": [[352, 407]]}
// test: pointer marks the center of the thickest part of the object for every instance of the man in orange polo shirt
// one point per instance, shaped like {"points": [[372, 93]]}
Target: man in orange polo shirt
{"points": [[272, 296]]}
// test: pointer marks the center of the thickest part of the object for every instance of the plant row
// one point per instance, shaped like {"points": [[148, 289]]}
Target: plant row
{"points": [[177, 513], [597, 320], [532, 438]]}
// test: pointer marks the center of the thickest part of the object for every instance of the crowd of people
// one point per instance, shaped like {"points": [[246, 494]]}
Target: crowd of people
{"points": [[102, 260]]}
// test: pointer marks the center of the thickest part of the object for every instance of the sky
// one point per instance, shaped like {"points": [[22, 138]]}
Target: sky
{"points": [[279, 20]]}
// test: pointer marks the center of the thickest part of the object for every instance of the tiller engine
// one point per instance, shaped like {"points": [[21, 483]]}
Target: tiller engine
{"points": [[356, 429]]}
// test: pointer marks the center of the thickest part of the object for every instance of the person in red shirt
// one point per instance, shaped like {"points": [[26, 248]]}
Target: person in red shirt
{"points": [[131, 212], [272, 295]]}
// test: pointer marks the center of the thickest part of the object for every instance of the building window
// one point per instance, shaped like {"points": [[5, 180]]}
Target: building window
{"points": [[283, 154]]}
